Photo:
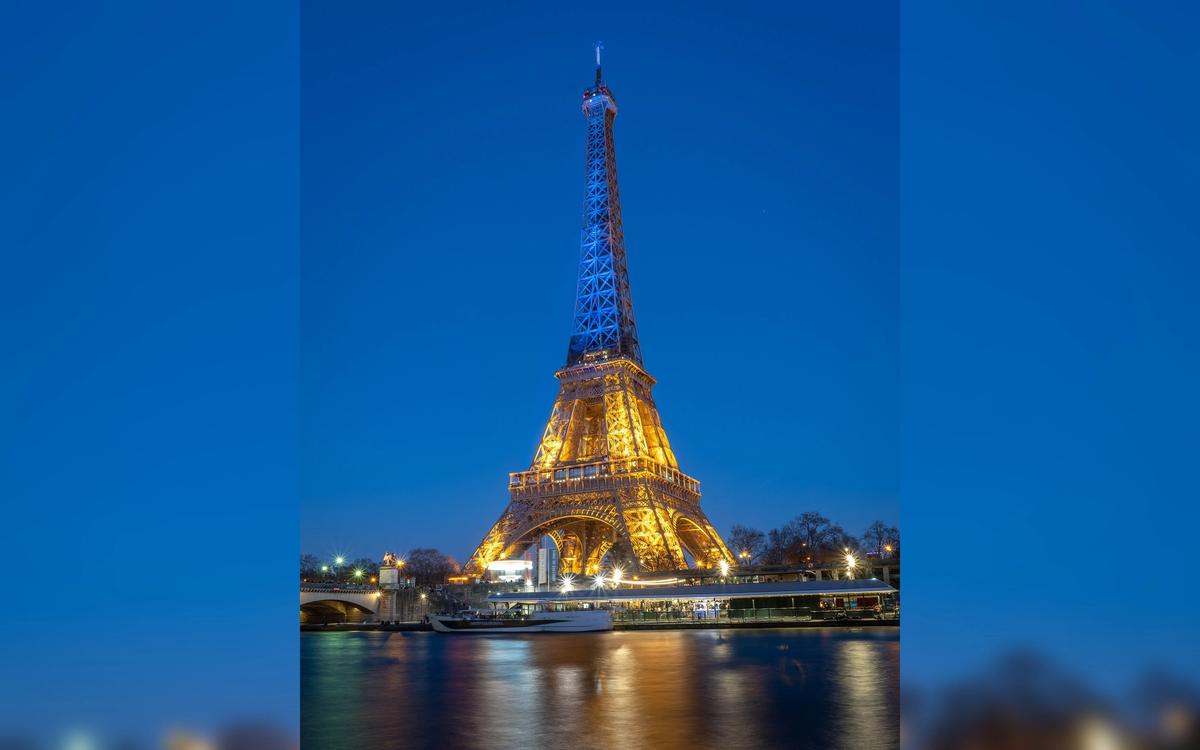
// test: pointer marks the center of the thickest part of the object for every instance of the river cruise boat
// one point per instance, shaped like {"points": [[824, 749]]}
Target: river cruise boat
{"points": [[517, 621]]}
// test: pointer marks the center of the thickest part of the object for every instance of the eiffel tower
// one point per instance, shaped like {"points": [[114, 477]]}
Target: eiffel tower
{"points": [[604, 479]]}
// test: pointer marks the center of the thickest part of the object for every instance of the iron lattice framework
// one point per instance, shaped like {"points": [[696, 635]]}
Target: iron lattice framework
{"points": [[604, 479]]}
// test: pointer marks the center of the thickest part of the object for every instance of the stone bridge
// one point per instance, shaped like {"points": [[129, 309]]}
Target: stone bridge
{"points": [[321, 603]]}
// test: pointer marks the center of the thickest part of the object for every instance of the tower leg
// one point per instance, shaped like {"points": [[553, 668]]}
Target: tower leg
{"points": [[495, 545]]}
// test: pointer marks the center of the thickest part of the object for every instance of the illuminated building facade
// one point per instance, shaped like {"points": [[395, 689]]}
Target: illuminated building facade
{"points": [[604, 479], [510, 571]]}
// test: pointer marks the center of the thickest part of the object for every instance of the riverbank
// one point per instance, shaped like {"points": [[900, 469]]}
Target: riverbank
{"points": [[421, 626]]}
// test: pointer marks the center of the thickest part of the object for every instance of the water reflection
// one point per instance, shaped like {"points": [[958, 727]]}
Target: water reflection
{"points": [[660, 689]]}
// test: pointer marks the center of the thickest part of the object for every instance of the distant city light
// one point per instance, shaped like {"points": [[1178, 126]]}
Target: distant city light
{"points": [[339, 560], [80, 741], [324, 568], [358, 573]]}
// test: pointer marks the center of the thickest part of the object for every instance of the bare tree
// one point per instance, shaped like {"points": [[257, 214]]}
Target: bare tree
{"points": [[752, 542], [781, 543], [428, 566], [809, 537], [837, 540], [881, 539], [814, 531], [367, 567], [310, 566]]}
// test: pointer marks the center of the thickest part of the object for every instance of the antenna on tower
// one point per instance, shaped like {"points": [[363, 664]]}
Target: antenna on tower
{"points": [[599, 46]]}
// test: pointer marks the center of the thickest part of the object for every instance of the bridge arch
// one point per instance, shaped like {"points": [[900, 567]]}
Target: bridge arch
{"points": [[319, 607]]}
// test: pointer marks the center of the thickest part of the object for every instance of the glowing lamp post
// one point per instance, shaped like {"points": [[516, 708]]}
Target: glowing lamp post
{"points": [[851, 564], [724, 568]]}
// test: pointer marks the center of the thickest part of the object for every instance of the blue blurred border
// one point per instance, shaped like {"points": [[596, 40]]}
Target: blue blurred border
{"points": [[1049, 342], [149, 370]]}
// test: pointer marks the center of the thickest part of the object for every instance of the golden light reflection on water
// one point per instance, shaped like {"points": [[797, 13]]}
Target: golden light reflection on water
{"points": [[865, 698], [660, 689]]}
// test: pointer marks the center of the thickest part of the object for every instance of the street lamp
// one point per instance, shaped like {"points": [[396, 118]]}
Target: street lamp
{"points": [[744, 554], [568, 582], [339, 560], [851, 564], [358, 573], [724, 568], [616, 575]]}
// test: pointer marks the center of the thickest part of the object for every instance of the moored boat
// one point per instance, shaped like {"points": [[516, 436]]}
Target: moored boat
{"points": [[572, 621]]}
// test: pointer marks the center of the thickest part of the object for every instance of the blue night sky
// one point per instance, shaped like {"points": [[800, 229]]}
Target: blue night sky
{"points": [[442, 178]]}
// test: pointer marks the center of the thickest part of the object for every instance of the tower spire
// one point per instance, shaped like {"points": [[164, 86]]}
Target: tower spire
{"points": [[603, 326]]}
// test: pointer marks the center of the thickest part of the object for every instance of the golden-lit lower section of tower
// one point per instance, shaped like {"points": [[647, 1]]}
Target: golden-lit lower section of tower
{"points": [[604, 481]]}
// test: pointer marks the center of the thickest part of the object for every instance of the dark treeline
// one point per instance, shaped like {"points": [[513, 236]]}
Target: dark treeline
{"points": [[810, 538], [807, 538], [427, 566]]}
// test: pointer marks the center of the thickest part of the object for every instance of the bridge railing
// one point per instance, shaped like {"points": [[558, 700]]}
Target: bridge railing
{"points": [[351, 588]]}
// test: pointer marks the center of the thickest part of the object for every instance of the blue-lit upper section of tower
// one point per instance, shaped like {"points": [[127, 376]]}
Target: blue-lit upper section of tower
{"points": [[603, 325]]}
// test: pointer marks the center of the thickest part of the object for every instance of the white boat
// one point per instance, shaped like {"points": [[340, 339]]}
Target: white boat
{"points": [[572, 621]]}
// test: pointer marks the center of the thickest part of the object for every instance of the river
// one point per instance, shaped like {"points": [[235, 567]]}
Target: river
{"points": [[770, 688]]}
